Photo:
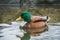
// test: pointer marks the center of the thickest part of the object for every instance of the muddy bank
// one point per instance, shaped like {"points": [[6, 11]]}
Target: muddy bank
{"points": [[8, 14]]}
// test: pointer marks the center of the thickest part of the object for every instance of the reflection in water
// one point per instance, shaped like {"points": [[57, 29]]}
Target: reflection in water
{"points": [[26, 36], [33, 32], [38, 31]]}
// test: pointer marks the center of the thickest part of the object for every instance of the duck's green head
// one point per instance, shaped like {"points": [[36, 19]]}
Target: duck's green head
{"points": [[25, 16]]}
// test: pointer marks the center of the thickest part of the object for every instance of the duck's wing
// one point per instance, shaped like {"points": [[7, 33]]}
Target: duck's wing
{"points": [[43, 17]]}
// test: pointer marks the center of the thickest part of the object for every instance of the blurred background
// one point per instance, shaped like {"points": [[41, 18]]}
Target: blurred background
{"points": [[11, 9]]}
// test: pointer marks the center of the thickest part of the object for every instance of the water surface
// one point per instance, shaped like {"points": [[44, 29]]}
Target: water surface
{"points": [[13, 32]]}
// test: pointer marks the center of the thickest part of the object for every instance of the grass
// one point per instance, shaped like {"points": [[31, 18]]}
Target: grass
{"points": [[9, 14]]}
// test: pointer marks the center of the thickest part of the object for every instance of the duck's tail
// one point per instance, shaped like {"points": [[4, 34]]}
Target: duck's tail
{"points": [[48, 18]]}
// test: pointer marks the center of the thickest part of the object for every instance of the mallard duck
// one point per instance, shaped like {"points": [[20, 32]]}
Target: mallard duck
{"points": [[32, 21]]}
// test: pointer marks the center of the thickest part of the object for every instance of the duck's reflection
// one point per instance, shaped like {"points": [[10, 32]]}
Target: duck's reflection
{"points": [[38, 31], [26, 36], [33, 32]]}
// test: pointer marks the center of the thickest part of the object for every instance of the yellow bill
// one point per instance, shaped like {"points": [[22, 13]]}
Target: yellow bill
{"points": [[19, 18]]}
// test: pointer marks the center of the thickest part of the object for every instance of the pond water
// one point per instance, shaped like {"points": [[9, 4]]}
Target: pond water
{"points": [[13, 32]]}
